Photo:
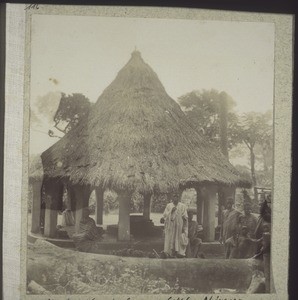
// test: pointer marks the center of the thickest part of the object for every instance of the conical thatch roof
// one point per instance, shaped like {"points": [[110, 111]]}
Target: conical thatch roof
{"points": [[35, 171], [137, 137]]}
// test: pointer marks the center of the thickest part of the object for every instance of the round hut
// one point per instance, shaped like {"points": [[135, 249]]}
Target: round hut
{"points": [[136, 138]]}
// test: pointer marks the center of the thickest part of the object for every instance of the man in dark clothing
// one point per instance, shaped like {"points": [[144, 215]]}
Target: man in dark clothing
{"points": [[230, 222], [249, 220]]}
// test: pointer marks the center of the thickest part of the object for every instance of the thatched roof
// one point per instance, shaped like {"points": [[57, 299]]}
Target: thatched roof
{"points": [[35, 171], [137, 137]]}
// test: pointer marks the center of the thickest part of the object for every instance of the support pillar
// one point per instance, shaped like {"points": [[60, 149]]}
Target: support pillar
{"points": [[80, 194], [36, 205], [54, 193], [71, 199], [124, 216], [51, 215], [99, 193], [221, 204], [209, 213], [200, 206], [147, 206]]}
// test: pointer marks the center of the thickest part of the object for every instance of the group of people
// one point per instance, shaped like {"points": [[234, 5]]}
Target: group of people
{"points": [[241, 234]]}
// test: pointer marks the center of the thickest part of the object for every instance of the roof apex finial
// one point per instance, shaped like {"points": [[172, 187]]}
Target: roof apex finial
{"points": [[136, 52]]}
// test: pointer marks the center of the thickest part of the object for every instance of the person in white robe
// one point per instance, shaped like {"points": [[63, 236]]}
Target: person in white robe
{"points": [[67, 214], [176, 228]]}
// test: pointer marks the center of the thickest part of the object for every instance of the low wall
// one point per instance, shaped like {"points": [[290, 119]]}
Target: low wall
{"points": [[210, 250]]}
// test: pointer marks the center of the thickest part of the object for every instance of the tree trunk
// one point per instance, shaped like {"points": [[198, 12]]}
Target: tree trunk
{"points": [[253, 174], [202, 274], [223, 127], [252, 167], [265, 155]]}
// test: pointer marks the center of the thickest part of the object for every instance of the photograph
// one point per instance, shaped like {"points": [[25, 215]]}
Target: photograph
{"points": [[150, 154]]}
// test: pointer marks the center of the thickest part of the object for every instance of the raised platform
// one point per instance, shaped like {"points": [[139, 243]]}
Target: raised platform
{"points": [[63, 243]]}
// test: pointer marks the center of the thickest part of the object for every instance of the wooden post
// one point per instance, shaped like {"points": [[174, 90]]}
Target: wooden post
{"points": [[223, 120], [200, 206], [124, 216], [147, 206], [221, 202], [99, 193], [71, 199], [36, 205], [51, 215], [54, 194], [209, 213], [79, 212], [80, 194]]}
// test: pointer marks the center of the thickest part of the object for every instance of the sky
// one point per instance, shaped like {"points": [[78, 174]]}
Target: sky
{"points": [[76, 54]]}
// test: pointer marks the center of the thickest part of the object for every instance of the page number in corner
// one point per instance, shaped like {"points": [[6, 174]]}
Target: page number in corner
{"points": [[31, 6]]}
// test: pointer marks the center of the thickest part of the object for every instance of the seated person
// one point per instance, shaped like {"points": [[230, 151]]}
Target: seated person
{"points": [[61, 233], [241, 246], [195, 243], [87, 231]]}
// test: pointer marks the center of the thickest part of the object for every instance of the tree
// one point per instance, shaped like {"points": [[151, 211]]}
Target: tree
{"points": [[265, 144], [212, 114], [254, 129], [44, 107], [71, 109]]}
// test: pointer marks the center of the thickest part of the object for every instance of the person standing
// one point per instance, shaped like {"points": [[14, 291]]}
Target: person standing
{"points": [[67, 214], [230, 222], [249, 220], [176, 227], [264, 219]]}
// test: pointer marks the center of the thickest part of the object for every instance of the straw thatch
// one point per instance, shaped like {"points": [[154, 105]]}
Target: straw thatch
{"points": [[137, 137], [35, 170]]}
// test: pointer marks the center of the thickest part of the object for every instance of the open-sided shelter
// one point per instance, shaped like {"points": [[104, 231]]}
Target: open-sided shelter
{"points": [[136, 137]]}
